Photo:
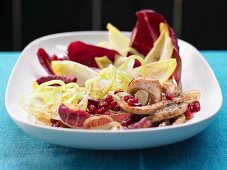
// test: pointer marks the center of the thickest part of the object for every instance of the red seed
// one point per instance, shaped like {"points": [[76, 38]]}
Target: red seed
{"points": [[116, 108], [131, 102], [92, 109], [109, 98], [188, 114], [126, 98], [94, 102], [104, 104], [136, 100], [196, 106], [125, 123], [137, 104], [169, 96], [113, 104], [191, 107], [101, 110]]}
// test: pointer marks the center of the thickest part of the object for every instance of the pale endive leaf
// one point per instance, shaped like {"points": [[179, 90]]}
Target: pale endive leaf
{"points": [[163, 47], [117, 40], [66, 67], [161, 70]]}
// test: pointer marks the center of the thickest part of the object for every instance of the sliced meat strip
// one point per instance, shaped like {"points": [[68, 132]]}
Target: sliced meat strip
{"points": [[152, 86], [148, 109], [171, 87], [169, 112], [179, 120]]}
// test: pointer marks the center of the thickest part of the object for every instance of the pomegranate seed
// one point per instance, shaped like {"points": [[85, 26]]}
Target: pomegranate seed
{"points": [[188, 114], [118, 91], [125, 123], [131, 102], [135, 100], [116, 108], [169, 96], [196, 105], [104, 104], [94, 102], [126, 98], [113, 104], [191, 107], [109, 98], [101, 110], [137, 104], [92, 109]]}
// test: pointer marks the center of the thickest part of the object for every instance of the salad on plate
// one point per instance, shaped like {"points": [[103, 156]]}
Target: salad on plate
{"points": [[119, 84]]}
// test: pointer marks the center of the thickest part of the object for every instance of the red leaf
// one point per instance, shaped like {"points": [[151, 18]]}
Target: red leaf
{"points": [[45, 60], [146, 32], [65, 79], [143, 123], [86, 53], [73, 118], [118, 117]]}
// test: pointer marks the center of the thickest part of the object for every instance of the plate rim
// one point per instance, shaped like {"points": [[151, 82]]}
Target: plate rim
{"points": [[64, 34]]}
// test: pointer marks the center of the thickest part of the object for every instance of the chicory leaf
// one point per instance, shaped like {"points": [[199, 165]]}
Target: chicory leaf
{"points": [[86, 53], [146, 32], [163, 47], [65, 79], [72, 118]]}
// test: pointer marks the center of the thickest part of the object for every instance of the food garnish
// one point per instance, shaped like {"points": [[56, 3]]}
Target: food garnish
{"points": [[121, 83]]}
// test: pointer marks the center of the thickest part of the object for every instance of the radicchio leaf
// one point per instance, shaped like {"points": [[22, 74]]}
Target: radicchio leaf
{"points": [[72, 118], [146, 32], [94, 102], [65, 79], [120, 116], [45, 60], [143, 123], [55, 123], [86, 53]]}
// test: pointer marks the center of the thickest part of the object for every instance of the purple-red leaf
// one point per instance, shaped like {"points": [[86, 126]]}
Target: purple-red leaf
{"points": [[65, 79], [55, 123], [86, 53], [45, 60], [94, 102], [72, 118], [146, 32], [143, 123]]}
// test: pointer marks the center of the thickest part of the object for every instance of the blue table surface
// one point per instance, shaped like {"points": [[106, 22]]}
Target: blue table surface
{"points": [[207, 150]]}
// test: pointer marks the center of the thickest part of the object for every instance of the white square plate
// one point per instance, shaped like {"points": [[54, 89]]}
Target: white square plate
{"points": [[196, 74]]}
